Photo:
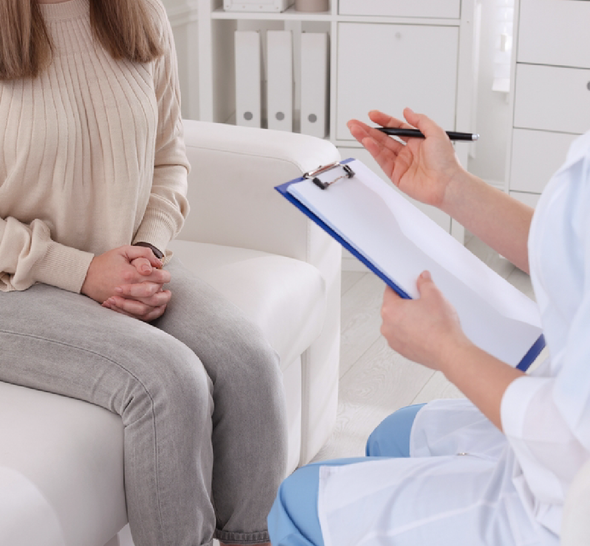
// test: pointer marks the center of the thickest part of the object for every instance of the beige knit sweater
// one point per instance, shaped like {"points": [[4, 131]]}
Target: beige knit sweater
{"points": [[91, 156]]}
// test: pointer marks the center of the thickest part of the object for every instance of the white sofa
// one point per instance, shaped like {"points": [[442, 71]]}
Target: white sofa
{"points": [[61, 460]]}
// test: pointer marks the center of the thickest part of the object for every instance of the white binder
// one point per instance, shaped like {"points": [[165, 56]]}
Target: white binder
{"points": [[280, 80], [248, 78], [314, 83]]}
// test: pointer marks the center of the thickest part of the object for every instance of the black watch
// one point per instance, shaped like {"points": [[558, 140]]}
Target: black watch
{"points": [[157, 252]]}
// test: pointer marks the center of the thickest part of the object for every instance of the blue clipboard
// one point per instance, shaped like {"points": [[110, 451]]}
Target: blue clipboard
{"points": [[283, 190], [525, 362]]}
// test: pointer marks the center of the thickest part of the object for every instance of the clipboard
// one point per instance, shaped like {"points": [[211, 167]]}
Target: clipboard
{"points": [[397, 241]]}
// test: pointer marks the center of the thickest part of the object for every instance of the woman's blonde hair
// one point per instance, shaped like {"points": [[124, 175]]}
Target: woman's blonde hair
{"points": [[125, 28]]}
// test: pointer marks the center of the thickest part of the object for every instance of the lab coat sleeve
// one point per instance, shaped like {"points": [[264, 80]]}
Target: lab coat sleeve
{"points": [[547, 419]]}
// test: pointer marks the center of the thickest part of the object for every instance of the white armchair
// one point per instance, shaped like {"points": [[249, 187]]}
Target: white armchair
{"points": [[61, 460]]}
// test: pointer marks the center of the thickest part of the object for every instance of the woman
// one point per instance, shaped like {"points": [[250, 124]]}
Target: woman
{"points": [[494, 468], [93, 179]]}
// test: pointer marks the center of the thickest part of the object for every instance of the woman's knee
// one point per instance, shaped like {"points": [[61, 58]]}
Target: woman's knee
{"points": [[165, 377], [251, 371]]}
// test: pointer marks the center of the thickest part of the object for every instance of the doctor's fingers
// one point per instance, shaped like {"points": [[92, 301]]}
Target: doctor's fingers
{"points": [[425, 124], [362, 131], [393, 305], [407, 314]]}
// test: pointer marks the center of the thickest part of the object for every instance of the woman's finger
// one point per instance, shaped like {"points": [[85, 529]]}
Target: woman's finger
{"points": [[134, 308], [143, 266], [138, 290], [161, 297], [134, 252]]}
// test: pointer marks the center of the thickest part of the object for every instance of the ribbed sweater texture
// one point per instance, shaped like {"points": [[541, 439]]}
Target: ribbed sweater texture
{"points": [[91, 155]]}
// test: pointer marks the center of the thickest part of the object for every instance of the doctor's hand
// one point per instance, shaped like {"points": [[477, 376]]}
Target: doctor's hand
{"points": [[422, 168], [425, 330]]}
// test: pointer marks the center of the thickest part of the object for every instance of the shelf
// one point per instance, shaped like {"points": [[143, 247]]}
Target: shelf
{"points": [[292, 15], [409, 60], [289, 15]]}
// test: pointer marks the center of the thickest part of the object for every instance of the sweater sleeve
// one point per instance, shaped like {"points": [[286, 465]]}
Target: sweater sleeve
{"points": [[168, 205], [28, 255]]}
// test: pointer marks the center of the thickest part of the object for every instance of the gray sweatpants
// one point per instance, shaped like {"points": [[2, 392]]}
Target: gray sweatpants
{"points": [[199, 392]]}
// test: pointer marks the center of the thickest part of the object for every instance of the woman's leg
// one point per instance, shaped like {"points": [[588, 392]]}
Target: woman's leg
{"points": [[249, 430], [65, 343], [293, 520]]}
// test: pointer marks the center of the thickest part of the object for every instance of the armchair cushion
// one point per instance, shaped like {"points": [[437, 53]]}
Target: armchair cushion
{"points": [[261, 283]]}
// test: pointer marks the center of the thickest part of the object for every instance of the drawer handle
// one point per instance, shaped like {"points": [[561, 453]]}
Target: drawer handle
{"points": [[588, 86]]}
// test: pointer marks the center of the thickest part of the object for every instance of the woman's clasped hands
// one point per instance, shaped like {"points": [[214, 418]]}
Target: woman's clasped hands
{"points": [[129, 280]]}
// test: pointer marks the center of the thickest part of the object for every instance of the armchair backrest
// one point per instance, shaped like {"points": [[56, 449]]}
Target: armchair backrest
{"points": [[233, 174]]}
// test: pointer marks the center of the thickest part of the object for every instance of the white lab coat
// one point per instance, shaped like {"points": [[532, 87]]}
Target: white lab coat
{"points": [[466, 483]]}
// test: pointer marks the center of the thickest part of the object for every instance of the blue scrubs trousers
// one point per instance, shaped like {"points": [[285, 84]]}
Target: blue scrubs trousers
{"points": [[293, 519]]}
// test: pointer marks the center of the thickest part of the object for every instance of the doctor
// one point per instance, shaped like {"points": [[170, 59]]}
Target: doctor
{"points": [[493, 469]]}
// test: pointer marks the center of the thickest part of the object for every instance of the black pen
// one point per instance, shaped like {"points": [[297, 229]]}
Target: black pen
{"points": [[453, 135]]}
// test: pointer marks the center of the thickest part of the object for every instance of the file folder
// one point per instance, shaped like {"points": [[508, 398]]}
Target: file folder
{"points": [[314, 83], [279, 90], [397, 241], [248, 78]]}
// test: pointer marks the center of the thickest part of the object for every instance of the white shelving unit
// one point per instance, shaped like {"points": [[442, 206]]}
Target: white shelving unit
{"points": [[384, 54], [550, 91]]}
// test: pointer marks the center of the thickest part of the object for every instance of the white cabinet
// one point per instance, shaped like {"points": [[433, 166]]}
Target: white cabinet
{"points": [[551, 90], [554, 32], [424, 78], [384, 54], [552, 98]]}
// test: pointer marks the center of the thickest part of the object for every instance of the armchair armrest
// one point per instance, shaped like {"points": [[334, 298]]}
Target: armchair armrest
{"points": [[234, 203], [231, 187]]}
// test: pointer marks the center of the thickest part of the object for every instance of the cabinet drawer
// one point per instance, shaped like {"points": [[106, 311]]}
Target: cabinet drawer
{"points": [[402, 8], [536, 155], [552, 98], [423, 78], [554, 32]]}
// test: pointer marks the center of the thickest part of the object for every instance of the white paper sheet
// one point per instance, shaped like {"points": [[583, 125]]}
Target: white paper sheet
{"points": [[401, 241]]}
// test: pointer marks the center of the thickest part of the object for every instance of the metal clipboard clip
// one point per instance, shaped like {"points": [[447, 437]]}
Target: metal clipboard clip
{"points": [[314, 175]]}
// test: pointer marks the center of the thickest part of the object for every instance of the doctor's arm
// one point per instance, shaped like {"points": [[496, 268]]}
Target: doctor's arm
{"points": [[427, 169]]}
